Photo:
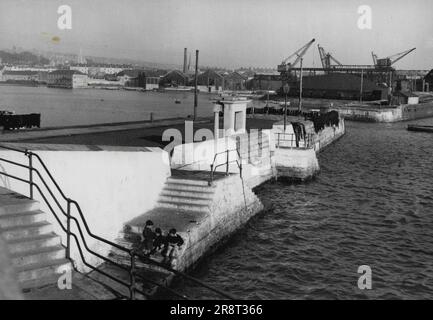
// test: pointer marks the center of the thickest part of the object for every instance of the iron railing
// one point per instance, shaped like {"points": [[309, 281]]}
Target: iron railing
{"points": [[291, 141], [226, 163], [133, 254]]}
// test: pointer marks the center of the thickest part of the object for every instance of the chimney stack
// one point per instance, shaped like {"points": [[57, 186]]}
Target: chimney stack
{"points": [[184, 60]]}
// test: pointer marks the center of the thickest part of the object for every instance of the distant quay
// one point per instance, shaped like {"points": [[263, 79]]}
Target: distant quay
{"points": [[403, 112]]}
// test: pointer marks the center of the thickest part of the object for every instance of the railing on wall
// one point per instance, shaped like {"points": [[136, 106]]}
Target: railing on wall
{"points": [[81, 224], [226, 162], [291, 141]]}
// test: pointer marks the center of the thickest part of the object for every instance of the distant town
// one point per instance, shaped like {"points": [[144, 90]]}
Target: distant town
{"points": [[68, 71], [20, 67]]}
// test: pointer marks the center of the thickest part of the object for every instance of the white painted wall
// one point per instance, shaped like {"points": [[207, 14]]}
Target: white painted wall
{"points": [[200, 155], [80, 81], [112, 187], [382, 115], [296, 163], [413, 100]]}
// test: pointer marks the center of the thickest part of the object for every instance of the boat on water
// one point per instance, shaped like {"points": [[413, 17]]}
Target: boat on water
{"points": [[133, 89], [6, 112], [415, 127], [177, 101], [179, 89]]}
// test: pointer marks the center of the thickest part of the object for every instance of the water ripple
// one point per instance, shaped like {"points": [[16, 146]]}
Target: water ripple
{"points": [[371, 205]]}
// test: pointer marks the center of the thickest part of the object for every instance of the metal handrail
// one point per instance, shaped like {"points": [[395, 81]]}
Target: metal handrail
{"points": [[238, 161], [308, 140], [132, 253]]}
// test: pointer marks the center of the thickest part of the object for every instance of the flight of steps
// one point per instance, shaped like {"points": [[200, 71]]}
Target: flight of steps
{"points": [[35, 250], [186, 194]]}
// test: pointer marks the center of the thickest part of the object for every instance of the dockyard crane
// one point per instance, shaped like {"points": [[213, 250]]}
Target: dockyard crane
{"points": [[286, 65], [327, 58], [389, 61]]}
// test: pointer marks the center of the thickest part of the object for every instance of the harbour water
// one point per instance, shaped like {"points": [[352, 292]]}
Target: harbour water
{"points": [[64, 107], [371, 205]]}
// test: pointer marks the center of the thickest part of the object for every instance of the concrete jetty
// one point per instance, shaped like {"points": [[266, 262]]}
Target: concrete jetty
{"points": [[370, 113], [206, 210], [205, 190]]}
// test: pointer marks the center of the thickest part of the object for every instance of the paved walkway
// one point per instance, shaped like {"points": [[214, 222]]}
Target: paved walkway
{"points": [[31, 134], [144, 136], [83, 288]]}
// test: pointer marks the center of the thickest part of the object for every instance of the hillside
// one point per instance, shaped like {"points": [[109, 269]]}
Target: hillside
{"points": [[23, 58]]}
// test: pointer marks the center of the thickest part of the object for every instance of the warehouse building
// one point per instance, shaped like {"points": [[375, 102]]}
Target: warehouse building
{"points": [[340, 86]]}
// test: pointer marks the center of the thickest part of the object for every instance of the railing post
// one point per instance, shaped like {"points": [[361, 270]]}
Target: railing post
{"points": [[278, 143], [31, 174], [132, 277], [68, 230], [211, 173], [227, 164]]}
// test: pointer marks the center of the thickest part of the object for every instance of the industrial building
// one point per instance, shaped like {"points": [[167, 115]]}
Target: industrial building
{"points": [[340, 86], [19, 76], [428, 81], [340, 81], [175, 78], [265, 81], [235, 81], [210, 81], [67, 79]]}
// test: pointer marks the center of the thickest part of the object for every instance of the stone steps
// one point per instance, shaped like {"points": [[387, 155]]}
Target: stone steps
{"points": [[182, 206], [184, 199], [202, 194], [190, 187], [24, 231], [39, 255], [32, 243], [24, 206], [36, 251], [184, 194], [39, 274], [22, 218], [190, 182]]}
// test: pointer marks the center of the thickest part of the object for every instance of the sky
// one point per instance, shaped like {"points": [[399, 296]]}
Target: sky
{"points": [[228, 33]]}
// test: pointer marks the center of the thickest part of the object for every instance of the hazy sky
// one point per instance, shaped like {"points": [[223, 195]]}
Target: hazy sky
{"points": [[228, 33]]}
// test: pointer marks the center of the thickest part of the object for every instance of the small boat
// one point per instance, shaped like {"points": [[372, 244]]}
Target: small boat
{"points": [[6, 112], [414, 127], [177, 101]]}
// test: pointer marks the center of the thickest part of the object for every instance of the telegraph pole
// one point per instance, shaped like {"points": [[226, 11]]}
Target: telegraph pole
{"points": [[195, 85]]}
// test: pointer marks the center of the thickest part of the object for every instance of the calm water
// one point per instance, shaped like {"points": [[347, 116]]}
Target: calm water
{"points": [[371, 205], [87, 106]]}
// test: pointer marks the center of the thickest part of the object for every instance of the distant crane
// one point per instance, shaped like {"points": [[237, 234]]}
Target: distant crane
{"points": [[327, 58], [286, 65], [389, 61]]}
